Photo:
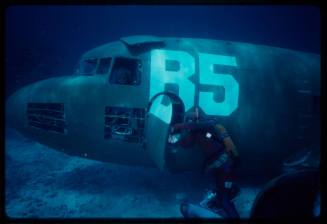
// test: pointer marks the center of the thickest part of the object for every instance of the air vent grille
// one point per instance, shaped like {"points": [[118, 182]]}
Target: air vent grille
{"points": [[47, 116]]}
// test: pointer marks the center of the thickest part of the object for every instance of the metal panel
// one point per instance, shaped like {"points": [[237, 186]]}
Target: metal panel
{"points": [[157, 129]]}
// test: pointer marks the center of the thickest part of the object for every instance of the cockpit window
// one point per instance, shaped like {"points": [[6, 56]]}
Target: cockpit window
{"points": [[104, 66], [126, 71], [88, 66]]}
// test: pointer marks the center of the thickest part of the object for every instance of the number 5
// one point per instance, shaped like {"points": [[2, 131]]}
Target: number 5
{"points": [[227, 81]]}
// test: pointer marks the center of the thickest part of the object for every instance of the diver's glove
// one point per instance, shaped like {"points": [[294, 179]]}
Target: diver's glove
{"points": [[174, 135], [173, 138]]}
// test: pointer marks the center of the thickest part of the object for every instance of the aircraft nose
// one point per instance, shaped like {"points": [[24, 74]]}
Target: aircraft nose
{"points": [[17, 104]]}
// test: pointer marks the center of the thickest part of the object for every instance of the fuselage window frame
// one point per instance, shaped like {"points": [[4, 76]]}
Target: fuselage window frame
{"points": [[108, 64], [95, 66], [132, 78]]}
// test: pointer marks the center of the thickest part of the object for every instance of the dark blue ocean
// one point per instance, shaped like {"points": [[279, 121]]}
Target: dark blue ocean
{"points": [[63, 33], [47, 41]]}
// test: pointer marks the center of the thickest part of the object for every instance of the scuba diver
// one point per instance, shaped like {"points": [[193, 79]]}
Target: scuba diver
{"points": [[221, 158]]}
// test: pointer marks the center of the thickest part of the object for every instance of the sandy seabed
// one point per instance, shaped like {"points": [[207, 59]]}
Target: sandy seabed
{"points": [[43, 183]]}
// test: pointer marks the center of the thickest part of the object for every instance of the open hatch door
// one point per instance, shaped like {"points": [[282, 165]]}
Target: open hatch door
{"points": [[164, 110]]}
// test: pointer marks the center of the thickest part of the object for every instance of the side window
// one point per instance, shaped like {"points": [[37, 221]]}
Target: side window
{"points": [[104, 66], [88, 66], [126, 71]]}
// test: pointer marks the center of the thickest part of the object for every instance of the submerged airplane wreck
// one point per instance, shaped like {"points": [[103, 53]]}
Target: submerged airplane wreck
{"points": [[119, 106], [267, 97]]}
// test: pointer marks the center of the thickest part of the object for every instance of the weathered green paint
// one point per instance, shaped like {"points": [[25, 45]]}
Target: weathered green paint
{"points": [[275, 105]]}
